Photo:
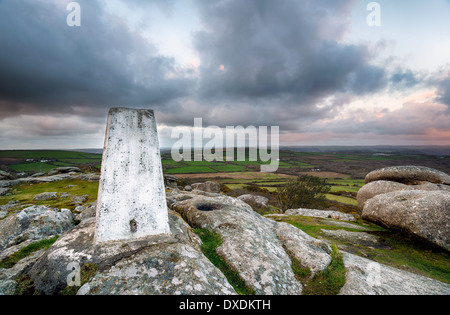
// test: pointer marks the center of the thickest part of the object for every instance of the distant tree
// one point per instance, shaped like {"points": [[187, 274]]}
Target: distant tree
{"points": [[303, 192]]}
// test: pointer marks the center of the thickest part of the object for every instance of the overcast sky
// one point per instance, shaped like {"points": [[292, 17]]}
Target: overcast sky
{"points": [[315, 68]]}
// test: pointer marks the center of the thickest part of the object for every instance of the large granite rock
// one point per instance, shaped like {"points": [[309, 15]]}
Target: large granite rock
{"points": [[35, 180], [5, 175], [45, 196], [408, 175], [411, 199], [164, 264], [379, 187], [422, 213], [254, 246], [321, 214], [312, 253], [211, 187], [34, 223], [259, 201], [259, 249], [366, 277], [64, 170], [4, 191]]}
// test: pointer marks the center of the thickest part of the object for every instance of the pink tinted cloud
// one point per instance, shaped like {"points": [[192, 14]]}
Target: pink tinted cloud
{"points": [[418, 121]]}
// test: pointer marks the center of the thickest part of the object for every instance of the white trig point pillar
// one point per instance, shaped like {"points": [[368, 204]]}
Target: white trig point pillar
{"points": [[131, 197]]}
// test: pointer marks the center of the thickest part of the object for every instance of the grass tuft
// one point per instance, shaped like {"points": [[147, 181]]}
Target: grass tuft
{"points": [[329, 281], [87, 272], [211, 241], [12, 260]]}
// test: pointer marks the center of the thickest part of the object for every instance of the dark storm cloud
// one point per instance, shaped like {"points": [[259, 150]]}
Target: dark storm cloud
{"points": [[48, 67], [262, 62], [281, 50]]}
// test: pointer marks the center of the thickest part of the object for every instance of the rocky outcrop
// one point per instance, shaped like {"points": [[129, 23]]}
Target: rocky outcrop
{"points": [[256, 247], [259, 249], [380, 187], [355, 238], [34, 223], [8, 283], [409, 175], [412, 199], [311, 252], [259, 201], [5, 175], [45, 196], [86, 211], [211, 187], [4, 191], [170, 181], [422, 213], [366, 277], [48, 179], [64, 170], [164, 264], [321, 214]]}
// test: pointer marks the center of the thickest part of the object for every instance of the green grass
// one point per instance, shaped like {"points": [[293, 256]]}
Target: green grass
{"points": [[166, 162], [201, 163], [246, 162], [12, 260], [229, 168], [329, 281], [313, 226], [405, 253], [82, 161], [347, 182], [48, 154], [35, 166], [344, 188], [87, 272], [413, 256], [190, 170], [300, 164], [211, 241], [60, 164], [342, 199], [26, 192], [58, 158]]}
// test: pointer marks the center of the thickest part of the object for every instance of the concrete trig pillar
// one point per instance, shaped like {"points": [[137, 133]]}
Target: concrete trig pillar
{"points": [[131, 198]]}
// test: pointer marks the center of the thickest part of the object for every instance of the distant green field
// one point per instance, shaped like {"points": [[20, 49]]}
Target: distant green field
{"points": [[242, 173], [190, 170], [81, 161], [348, 182], [37, 167], [55, 158], [230, 168], [47, 154], [346, 200], [345, 188]]}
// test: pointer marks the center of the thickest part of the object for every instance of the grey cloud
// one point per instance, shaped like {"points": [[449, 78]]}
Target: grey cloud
{"points": [[414, 119], [281, 49], [49, 67], [285, 64], [444, 92], [405, 78]]}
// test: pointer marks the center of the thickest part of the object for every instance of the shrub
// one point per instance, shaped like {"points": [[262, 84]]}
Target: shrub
{"points": [[304, 192]]}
